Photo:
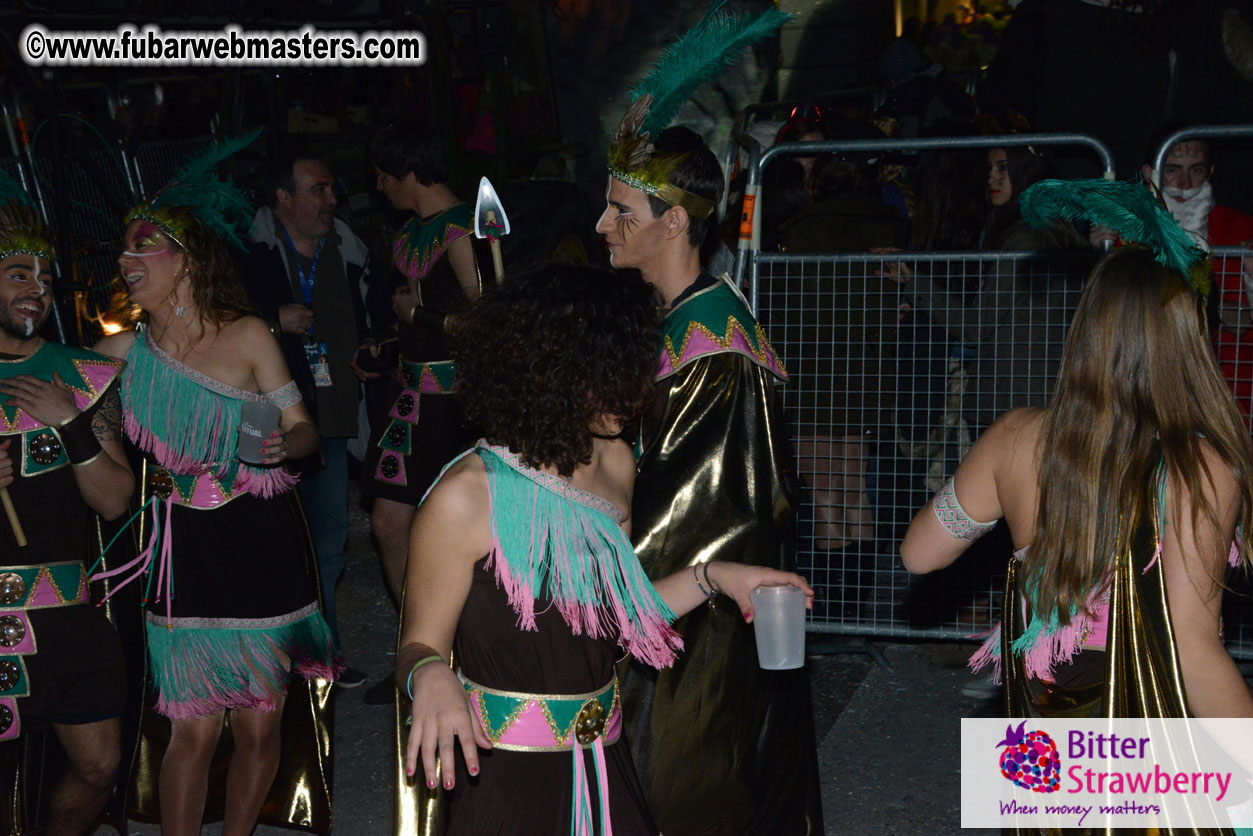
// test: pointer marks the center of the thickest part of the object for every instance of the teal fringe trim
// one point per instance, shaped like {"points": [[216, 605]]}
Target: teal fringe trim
{"points": [[204, 670], [551, 539]]}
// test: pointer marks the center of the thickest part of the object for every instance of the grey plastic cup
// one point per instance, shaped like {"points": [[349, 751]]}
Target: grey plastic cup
{"points": [[779, 623], [257, 421]]}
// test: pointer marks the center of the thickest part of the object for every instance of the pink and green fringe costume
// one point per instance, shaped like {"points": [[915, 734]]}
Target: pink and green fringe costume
{"points": [[562, 564], [231, 602]]}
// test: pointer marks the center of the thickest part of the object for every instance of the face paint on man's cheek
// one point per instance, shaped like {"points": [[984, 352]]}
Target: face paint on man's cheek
{"points": [[40, 278]]}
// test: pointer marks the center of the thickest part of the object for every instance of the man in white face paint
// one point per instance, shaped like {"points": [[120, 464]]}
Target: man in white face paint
{"points": [[61, 463]]}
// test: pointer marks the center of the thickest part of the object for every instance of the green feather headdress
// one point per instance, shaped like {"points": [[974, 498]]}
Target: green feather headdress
{"points": [[699, 56], [1128, 208], [196, 195], [22, 229]]}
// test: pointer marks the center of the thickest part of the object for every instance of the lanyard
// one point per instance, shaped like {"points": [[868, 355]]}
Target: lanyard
{"points": [[306, 282]]}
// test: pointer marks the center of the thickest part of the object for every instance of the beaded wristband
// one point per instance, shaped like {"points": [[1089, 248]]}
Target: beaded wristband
{"points": [[414, 669], [708, 591]]}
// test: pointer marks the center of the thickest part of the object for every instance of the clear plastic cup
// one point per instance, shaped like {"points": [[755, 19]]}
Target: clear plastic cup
{"points": [[257, 421], [779, 622]]}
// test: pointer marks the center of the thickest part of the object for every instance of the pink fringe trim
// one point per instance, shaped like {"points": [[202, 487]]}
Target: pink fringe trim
{"points": [[988, 653], [1056, 649], [264, 483]]}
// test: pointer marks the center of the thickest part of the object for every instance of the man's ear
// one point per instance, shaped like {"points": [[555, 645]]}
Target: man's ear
{"points": [[282, 197], [1146, 171], [677, 221]]}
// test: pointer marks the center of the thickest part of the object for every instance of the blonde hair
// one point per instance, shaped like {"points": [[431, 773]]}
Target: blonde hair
{"points": [[1138, 387]]}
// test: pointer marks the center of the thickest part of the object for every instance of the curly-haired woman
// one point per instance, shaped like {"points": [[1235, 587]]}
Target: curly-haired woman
{"points": [[246, 613], [520, 562]]}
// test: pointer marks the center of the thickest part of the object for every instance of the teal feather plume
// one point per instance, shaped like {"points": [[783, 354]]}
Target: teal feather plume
{"points": [[216, 202], [699, 56], [11, 190], [1128, 208]]}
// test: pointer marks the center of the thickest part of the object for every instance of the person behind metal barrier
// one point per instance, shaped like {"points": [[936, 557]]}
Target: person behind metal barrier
{"points": [[61, 461], [1008, 327], [848, 214], [1187, 188], [716, 481], [1124, 496], [245, 620], [520, 564], [847, 317]]}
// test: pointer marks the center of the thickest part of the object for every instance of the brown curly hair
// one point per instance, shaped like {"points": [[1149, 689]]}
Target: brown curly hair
{"points": [[542, 357], [215, 286]]}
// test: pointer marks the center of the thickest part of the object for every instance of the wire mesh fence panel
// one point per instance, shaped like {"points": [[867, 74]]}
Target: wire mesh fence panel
{"points": [[890, 384], [157, 162]]}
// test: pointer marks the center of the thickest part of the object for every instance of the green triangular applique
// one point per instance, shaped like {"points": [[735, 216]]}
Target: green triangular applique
{"points": [[444, 373], [66, 579], [561, 715], [498, 713], [398, 437]]}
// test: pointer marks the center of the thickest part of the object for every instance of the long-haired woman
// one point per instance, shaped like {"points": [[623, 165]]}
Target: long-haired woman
{"points": [[1134, 480]]}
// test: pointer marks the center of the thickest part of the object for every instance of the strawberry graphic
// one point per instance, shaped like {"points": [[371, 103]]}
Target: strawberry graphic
{"points": [[1030, 759]]}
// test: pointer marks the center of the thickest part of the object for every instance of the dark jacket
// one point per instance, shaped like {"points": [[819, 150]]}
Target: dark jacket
{"points": [[265, 274]]}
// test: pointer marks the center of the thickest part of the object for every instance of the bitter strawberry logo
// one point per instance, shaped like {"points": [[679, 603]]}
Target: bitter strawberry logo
{"points": [[1030, 759]]}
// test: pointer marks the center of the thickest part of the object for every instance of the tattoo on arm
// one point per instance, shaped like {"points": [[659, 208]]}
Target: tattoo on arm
{"points": [[106, 420]]}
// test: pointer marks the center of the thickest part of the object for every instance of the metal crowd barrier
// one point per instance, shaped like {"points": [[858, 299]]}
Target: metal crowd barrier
{"points": [[884, 401]]}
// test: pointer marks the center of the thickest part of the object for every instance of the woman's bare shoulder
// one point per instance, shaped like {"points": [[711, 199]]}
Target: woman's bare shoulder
{"points": [[115, 345], [247, 331]]}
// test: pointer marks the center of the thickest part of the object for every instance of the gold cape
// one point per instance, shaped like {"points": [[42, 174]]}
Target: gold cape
{"points": [[1142, 674], [722, 747]]}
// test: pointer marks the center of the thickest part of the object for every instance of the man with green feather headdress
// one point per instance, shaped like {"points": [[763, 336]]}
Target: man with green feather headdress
{"points": [[61, 463], [722, 746]]}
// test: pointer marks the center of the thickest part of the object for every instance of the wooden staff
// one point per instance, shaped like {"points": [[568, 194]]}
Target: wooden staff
{"points": [[9, 511]]}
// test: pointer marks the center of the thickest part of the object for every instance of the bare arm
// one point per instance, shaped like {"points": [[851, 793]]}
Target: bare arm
{"points": [[115, 345], [1193, 563], [106, 482], [297, 436], [450, 532], [928, 545], [461, 259], [682, 593]]}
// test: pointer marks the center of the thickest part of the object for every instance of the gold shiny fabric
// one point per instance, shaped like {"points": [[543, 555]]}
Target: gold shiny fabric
{"points": [[300, 797], [1142, 676], [722, 747]]}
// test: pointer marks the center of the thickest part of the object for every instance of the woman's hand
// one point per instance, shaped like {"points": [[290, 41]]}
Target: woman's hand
{"points": [[49, 403], [738, 581], [898, 272], [274, 450], [442, 710]]}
